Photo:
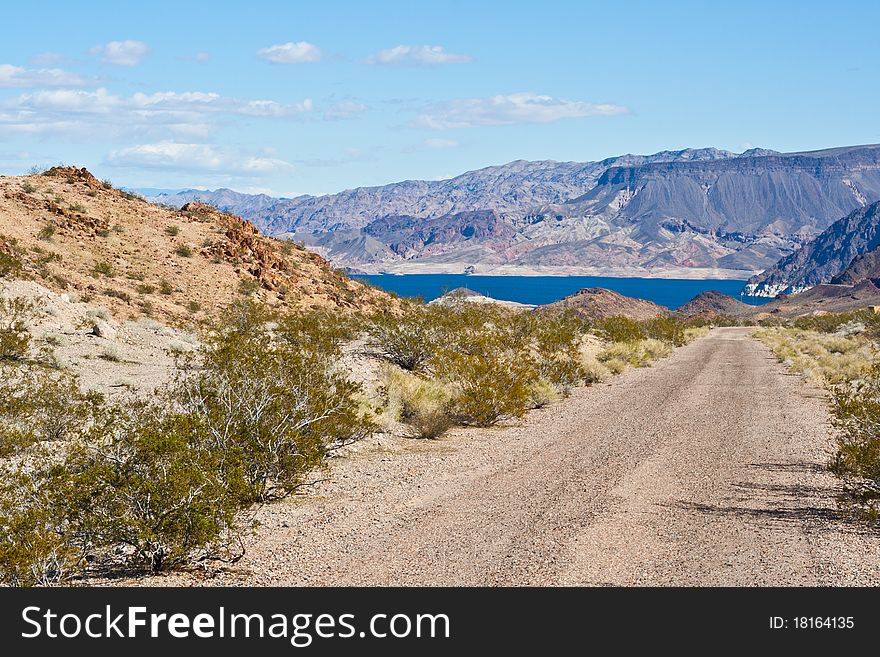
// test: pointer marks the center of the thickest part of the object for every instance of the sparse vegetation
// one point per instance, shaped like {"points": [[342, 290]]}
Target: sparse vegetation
{"points": [[165, 287], [183, 251], [839, 351], [172, 231], [103, 269], [46, 232], [158, 484], [14, 335]]}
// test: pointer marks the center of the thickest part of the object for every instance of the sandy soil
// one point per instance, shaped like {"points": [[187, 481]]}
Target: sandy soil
{"points": [[706, 469]]}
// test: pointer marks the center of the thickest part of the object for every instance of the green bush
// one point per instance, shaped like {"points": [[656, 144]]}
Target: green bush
{"points": [[409, 340], [856, 415], [103, 269], [14, 335], [152, 488], [665, 329], [183, 251], [46, 232], [619, 329], [492, 379], [10, 265]]}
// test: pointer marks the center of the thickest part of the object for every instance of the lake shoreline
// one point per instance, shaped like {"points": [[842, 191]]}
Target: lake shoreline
{"points": [[542, 289]]}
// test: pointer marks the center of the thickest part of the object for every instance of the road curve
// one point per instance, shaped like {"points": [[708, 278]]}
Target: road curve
{"points": [[705, 469]]}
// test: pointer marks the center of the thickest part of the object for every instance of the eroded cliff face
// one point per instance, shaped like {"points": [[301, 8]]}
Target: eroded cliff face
{"points": [[843, 253]]}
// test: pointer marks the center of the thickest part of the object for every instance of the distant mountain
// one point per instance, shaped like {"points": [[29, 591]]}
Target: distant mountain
{"points": [[844, 253], [701, 211]]}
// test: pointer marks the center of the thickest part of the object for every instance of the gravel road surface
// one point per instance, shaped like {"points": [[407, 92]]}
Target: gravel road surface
{"points": [[705, 469]]}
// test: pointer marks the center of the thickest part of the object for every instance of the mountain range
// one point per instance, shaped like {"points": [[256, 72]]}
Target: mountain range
{"points": [[690, 213]]}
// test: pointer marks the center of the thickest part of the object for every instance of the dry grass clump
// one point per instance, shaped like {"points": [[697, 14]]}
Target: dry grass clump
{"points": [[822, 358], [421, 403]]}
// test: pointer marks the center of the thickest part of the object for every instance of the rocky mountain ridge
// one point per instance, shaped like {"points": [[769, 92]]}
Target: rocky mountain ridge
{"points": [[680, 213]]}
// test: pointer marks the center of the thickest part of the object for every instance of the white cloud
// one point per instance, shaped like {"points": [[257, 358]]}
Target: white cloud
{"points": [[417, 56], [203, 57], [122, 53], [441, 143], [508, 110], [16, 76], [76, 113], [196, 157], [345, 109], [299, 52]]}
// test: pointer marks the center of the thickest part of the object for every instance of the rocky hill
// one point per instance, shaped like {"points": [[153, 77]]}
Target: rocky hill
{"points": [[712, 303], [75, 234], [848, 242], [704, 211], [598, 302]]}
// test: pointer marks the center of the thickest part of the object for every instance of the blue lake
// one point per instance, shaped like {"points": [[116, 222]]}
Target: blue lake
{"points": [[668, 292]]}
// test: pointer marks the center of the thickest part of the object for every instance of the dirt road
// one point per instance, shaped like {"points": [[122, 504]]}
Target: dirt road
{"points": [[705, 469]]}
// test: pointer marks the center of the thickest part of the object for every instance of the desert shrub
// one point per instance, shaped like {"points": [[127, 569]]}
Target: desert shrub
{"points": [[28, 187], [118, 294], [543, 393], [409, 340], [492, 378], [10, 265], [46, 232], [103, 269], [33, 547], [183, 251], [555, 340], [666, 329], [165, 287], [14, 335], [832, 322], [78, 207], [273, 408], [110, 352], [39, 405], [172, 231], [823, 358], [619, 355], [145, 288], [856, 415], [317, 330], [106, 184], [619, 329], [149, 488], [193, 306], [248, 286]]}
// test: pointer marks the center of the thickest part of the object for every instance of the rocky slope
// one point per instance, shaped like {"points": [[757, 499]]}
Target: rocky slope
{"points": [[598, 302], [704, 210], [848, 242], [74, 234]]}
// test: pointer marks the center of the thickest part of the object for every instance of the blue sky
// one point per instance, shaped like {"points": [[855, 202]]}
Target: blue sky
{"points": [[308, 97]]}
